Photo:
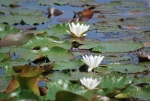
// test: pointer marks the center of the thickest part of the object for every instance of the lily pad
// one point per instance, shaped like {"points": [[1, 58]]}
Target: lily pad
{"points": [[109, 8], [58, 30], [28, 19], [6, 29], [113, 85], [52, 2], [30, 83], [59, 75], [78, 75], [137, 92], [113, 46], [27, 12], [8, 2], [128, 68], [55, 86], [15, 39], [47, 42], [15, 62], [4, 82], [56, 53], [24, 94], [75, 64], [129, 4], [63, 96]]}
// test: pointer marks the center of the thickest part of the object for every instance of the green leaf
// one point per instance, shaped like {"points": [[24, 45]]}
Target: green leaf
{"points": [[2, 56], [7, 29], [47, 42], [8, 2], [75, 64], [79, 75], [31, 71], [30, 83], [14, 62], [56, 53], [8, 70], [128, 4], [24, 94], [114, 46], [109, 8], [55, 86], [111, 82], [58, 30], [28, 19], [52, 2], [111, 86], [128, 68], [142, 93], [137, 92], [69, 96], [118, 47], [27, 12], [2, 96], [4, 82], [57, 76]]}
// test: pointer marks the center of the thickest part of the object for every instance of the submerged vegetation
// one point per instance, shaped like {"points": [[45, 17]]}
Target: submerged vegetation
{"points": [[74, 50]]}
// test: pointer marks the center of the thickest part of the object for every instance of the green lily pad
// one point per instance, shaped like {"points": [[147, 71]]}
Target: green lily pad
{"points": [[47, 42], [8, 2], [27, 12], [58, 30], [78, 75], [75, 64], [8, 70], [110, 82], [143, 93], [28, 19], [2, 96], [118, 59], [127, 68], [4, 82], [137, 92], [140, 9], [30, 83], [56, 53], [52, 2], [130, 68], [2, 56], [6, 29], [140, 21], [109, 8], [15, 62], [129, 4], [55, 86], [57, 76], [24, 94], [67, 96], [31, 71], [113, 84], [113, 46]]}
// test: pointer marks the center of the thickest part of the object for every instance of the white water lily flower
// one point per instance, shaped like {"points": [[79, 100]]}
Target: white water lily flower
{"points": [[78, 30], [92, 62], [90, 83]]}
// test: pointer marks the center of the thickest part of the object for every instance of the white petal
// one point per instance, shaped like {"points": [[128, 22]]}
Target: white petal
{"points": [[89, 82], [90, 69]]}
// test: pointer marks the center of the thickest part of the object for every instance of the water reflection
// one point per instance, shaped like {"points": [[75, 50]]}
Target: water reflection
{"points": [[148, 3]]}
